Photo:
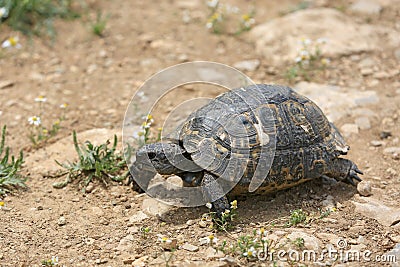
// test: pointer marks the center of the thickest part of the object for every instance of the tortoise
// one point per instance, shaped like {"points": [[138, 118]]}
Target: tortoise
{"points": [[244, 129]]}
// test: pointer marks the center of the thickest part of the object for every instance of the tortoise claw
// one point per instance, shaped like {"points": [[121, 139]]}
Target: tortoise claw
{"points": [[353, 175]]}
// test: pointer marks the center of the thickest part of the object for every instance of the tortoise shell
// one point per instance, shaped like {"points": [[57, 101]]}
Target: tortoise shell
{"points": [[296, 139]]}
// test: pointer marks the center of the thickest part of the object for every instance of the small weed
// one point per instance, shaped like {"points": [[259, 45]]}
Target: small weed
{"points": [[39, 133], [99, 25], [223, 223], [51, 262], [100, 162], [36, 17], [299, 242], [222, 15], [144, 136], [308, 61], [296, 217], [145, 230], [9, 176]]}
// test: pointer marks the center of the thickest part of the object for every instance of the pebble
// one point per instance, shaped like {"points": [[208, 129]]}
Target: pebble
{"points": [[349, 129], [5, 84], [391, 171], [367, 7], [141, 262], [247, 65], [385, 134], [190, 222], [138, 217], [377, 143], [391, 150], [363, 123], [212, 253], [61, 221], [89, 188], [190, 247], [364, 188], [366, 71]]}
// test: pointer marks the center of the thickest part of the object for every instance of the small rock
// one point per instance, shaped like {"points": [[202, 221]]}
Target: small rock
{"points": [[212, 253], [98, 211], [391, 171], [366, 63], [349, 129], [385, 134], [128, 261], [141, 262], [75, 199], [202, 224], [101, 261], [92, 68], [153, 207], [375, 209], [138, 217], [61, 221], [89, 188], [190, 222], [391, 150], [368, 7], [247, 65], [40, 208], [366, 71], [377, 143], [190, 247], [5, 84], [363, 123], [381, 75], [364, 188]]}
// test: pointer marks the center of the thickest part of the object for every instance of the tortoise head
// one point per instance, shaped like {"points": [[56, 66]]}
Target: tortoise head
{"points": [[159, 157]]}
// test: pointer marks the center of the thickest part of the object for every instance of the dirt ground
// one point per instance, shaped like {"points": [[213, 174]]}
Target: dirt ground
{"points": [[97, 78]]}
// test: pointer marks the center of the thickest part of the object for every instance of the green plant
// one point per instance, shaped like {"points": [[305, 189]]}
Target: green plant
{"points": [[145, 230], [100, 162], [221, 15], [144, 136], [51, 262], [99, 25], [39, 133], [299, 242], [308, 61], [296, 217], [223, 222], [35, 17], [9, 170]]}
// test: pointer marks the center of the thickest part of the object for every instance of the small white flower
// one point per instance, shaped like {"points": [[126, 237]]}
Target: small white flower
{"points": [[209, 205], [322, 40], [63, 106], [306, 41], [3, 12], [54, 260], [211, 239], [35, 120], [234, 204], [209, 25], [11, 42], [164, 240], [212, 3], [297, 59], [250, 253], [325, 61], [262, 232], [40, 99]]}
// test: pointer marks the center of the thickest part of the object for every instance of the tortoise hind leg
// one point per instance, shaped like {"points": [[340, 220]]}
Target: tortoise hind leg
{"points": [[212, 189], [344, 170]]}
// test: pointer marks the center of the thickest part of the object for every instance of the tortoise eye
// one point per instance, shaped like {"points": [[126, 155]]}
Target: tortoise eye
{"points": [[151, 155]]}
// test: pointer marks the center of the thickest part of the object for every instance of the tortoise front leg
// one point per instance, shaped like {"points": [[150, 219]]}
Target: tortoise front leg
{"points": [[212, 189], [344, 170]]}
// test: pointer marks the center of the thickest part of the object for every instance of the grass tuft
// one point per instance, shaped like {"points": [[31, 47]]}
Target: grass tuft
{"points": [[95, 162], [9, 170]]}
